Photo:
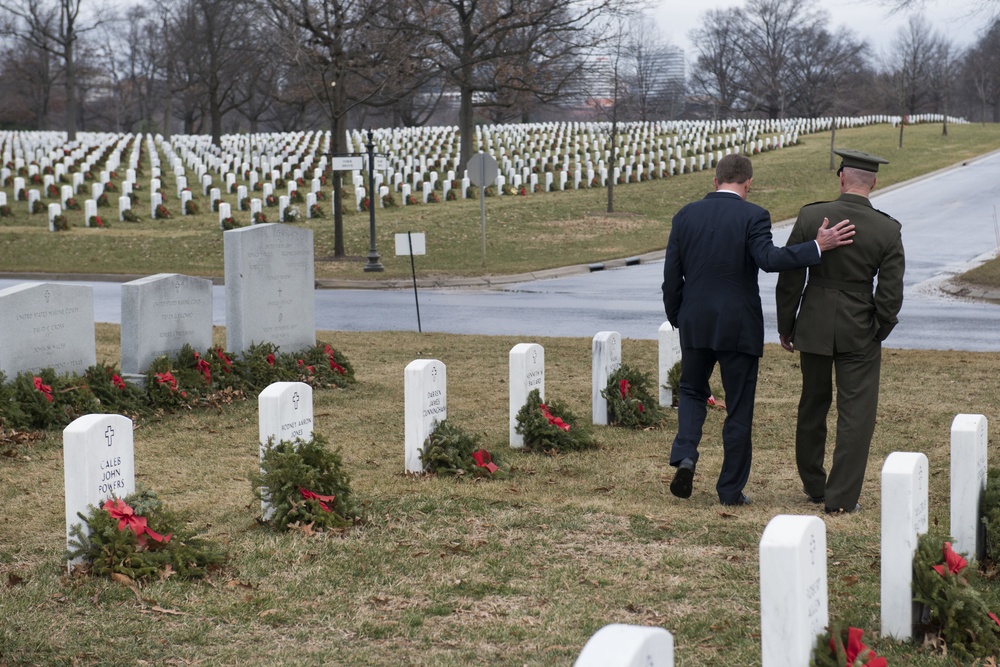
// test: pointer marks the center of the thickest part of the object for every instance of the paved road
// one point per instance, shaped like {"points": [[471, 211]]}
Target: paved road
{"points": [[948, 225]]}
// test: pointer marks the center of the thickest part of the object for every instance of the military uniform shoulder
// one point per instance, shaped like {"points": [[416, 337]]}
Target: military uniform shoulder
{"points": [[888, 216], [816, 203]]}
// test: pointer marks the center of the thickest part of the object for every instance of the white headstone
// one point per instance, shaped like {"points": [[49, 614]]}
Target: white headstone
{"points": [[269, 287], [55, 210], [124, 204], [793, 593], [606, 353], [162, 313], [98, 463], [155, 199], [46, 325], [526, 373], [670, 354], [285, 414], [968, 481], [904, 518], [224, 212], [426, 403], [619, 645]]}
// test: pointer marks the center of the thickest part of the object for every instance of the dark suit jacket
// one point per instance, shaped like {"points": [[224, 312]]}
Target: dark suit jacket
{"points": [[710, 293], [840, 310]]}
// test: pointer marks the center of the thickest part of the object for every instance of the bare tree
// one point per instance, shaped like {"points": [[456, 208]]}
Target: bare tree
{"points": [[472, 34], [716, 74], [822, 69], [982, 71], [27, 78], [911, 64], [654, 73], [55, 26]]}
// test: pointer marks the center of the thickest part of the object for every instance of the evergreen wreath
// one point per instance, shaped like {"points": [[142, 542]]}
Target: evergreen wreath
{"points": [[128, 215], [839, 647], [305, 484], [449, 450], [551, 427], [674, 383], [139, 538], [630, 404], [954, 610]]}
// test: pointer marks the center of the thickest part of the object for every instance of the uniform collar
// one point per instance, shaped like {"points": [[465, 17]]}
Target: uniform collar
{"points": [[855, 199]]}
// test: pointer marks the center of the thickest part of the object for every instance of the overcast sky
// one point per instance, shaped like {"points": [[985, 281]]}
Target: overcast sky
{"points": [[868, 19]]}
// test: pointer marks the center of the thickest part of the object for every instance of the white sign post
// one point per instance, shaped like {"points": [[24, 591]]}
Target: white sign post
{"points": [[412, 244]]}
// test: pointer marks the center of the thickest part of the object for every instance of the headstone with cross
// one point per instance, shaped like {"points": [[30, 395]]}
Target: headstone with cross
{"points": [[46, 325], [904, 519], [526, 373], [606, 357], [98, 463], [285, 413], [162, 313], [269, 287], [619, 645], [426, 403], [793, 592]]}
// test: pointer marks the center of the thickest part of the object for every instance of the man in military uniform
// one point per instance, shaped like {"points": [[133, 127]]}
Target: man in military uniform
{"points": [[838, 319]]}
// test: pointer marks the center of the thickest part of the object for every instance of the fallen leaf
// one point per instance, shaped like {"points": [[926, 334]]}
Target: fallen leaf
{"points": [[725, 515], [851, 580], [170, 612], [167, 572], [267, 612], [14, 580], [235, 583]]}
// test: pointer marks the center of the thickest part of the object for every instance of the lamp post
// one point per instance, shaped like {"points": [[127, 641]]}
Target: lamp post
{"points": [[373, 257]]}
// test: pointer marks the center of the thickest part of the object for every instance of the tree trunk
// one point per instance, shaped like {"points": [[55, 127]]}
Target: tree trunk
{"points": [[70, 88], [465, 123], [338, 128]]}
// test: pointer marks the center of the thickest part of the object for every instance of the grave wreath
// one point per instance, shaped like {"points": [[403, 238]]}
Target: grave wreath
{"points": [[259, 218], [71, 204], [306, 485], [60, 223], [139, 538], [102, 201], [129, 216], [839, 647], [954, 611], [190, 208], [38, 207], [5, 211], [98, 221], [161, 213], [290, 214], [551, 427], [449, 450], [989, 510], [630, 403], [228, 223], [316, 212]]}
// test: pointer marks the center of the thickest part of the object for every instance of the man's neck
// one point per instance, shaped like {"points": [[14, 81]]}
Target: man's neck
{"points": [[731, 188], [860, 192]]}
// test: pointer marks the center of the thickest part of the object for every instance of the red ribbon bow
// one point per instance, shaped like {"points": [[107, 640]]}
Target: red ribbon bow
{"points": [[334, 366], [44, 388], [555, 421], [221, 354], [952, 560], [483, 460], [205, 369], [127, 518], [270, 359], [117, 381], [167, 379], [322, 500], [624, 386], [856, 649]]}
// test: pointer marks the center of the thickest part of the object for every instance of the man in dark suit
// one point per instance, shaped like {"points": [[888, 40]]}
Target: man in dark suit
{"points": [[716, 247], [838, 319]]}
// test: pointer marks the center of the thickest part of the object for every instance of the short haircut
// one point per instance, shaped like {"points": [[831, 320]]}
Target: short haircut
{"points": [[859, 178], [734, 168]]}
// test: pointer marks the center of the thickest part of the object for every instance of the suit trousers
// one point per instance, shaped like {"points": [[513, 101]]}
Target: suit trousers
{"points": [[739, 379], [857, 403]]}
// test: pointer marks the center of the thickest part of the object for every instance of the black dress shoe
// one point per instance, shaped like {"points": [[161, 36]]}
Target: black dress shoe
{"points": [[815, 500], [840, 510], [744, 499], [682, 483]]}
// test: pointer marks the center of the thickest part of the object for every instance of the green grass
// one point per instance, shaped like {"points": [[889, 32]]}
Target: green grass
{"points": [[449, 572], [523, 233]]}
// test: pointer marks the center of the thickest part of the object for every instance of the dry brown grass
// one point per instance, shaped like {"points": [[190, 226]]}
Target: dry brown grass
{"points": [[448, 572]]}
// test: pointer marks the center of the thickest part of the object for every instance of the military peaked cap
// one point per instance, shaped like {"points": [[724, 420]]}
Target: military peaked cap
{"points": [[859, 160]]}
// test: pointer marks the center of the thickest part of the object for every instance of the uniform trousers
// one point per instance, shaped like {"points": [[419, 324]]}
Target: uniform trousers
{"points": [[857, 402], [739, 379]]}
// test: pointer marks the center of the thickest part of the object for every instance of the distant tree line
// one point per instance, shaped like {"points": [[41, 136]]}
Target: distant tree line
{"points": [[219, 66]]}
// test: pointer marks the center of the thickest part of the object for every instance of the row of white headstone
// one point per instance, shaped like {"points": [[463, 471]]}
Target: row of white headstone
{"points": [[269, 298], [99, 463], [426, 391], [793, 562]]}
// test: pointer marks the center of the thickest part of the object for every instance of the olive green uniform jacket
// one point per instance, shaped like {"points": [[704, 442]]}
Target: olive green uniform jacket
{"points": [[839, 311], [839, 319]]}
